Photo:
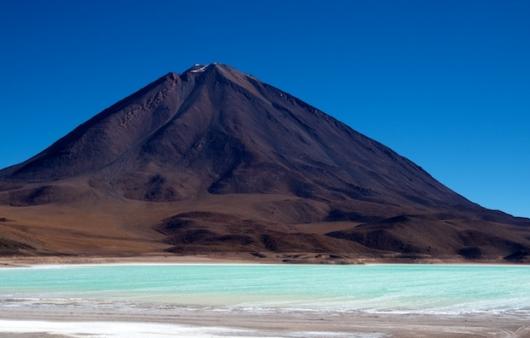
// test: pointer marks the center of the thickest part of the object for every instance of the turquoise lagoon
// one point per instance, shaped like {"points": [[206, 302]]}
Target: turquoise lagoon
{"points": [[429, 289]]}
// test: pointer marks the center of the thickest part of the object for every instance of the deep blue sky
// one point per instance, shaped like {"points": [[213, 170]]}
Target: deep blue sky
{"points": [[445, 83]]}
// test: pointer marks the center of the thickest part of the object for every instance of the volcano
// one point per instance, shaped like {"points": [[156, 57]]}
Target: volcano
{"points": [[214, 161]]}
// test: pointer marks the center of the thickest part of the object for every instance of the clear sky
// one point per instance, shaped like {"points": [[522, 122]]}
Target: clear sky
{"points": [[445, 83]]}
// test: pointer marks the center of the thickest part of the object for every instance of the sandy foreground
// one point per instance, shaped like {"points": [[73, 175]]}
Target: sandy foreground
{"points": [[206, 323]]}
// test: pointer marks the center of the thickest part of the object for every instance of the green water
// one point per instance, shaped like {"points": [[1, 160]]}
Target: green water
{"points": [[449, 289]]}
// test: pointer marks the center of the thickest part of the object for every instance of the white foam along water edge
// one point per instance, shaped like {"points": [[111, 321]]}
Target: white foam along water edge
{"points": [[380, 288], [114, 329], [221, 263], [82, 265]]}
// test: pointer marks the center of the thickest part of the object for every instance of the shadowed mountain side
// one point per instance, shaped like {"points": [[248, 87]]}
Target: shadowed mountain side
{"points": [[280, 165]]}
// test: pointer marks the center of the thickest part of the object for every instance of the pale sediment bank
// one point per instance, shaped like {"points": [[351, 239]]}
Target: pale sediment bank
{"points": [[115, 329], [30, 335], [236, 258], [18, 261], [205, 323]]}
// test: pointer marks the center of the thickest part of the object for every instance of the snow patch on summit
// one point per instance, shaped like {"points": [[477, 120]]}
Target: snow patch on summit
{"points": [[197, 68]]}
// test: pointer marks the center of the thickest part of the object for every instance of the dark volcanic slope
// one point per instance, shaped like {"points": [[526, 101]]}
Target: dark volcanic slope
{"points": [[239, 165]]}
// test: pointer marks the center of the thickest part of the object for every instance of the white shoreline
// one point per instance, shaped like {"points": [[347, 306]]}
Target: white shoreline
{"points": [[202, 324], [77, 265], [114, 329], [129, 329], [74, 265]]}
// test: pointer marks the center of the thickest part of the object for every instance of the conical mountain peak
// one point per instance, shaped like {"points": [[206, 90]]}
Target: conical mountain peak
{"points": [[233, 144], [217, 121]]}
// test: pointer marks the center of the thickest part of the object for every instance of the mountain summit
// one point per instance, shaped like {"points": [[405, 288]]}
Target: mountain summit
{"points": [[214, 160]]}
